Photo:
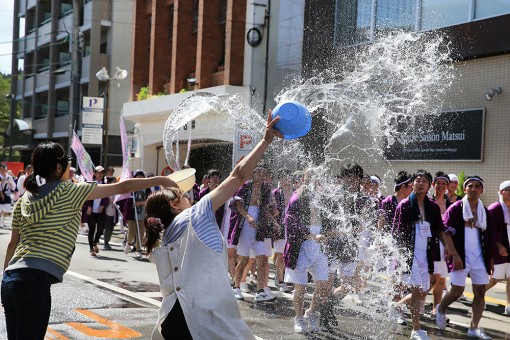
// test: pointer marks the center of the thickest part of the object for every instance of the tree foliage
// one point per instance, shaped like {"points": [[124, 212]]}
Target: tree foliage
{"points": [[5, 105]]}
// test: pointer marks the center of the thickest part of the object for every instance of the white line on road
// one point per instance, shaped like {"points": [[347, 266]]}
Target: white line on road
{"points": [[119, 290]]}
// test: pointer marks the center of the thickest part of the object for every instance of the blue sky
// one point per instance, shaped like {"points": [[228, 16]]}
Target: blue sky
{"points": [[6, 8]]}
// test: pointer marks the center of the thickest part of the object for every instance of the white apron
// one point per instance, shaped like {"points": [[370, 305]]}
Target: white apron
{"points": [[197, 275]]}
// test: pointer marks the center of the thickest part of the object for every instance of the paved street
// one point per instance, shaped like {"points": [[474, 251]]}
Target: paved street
{"points": [[116, 296]]}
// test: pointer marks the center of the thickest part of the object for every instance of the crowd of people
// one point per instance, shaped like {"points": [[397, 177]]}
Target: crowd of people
{"points": [[326, 238], [229, 230]]}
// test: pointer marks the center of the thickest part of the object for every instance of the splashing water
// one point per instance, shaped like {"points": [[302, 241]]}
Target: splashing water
{"points": [[398, 78]]}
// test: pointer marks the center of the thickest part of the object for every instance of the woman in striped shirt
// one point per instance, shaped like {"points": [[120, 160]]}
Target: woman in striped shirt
{"points": [[45, 225]]}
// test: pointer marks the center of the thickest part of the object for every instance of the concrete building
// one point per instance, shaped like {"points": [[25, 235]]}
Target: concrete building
{"points": [[42, 51], [233, 47], [477, 34]]}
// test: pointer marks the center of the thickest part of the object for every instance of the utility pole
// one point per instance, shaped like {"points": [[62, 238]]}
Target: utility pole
{"points": [[74, 92]]}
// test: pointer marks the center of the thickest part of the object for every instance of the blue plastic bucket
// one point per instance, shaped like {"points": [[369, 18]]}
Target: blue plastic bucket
{"points": [[295, 120]]}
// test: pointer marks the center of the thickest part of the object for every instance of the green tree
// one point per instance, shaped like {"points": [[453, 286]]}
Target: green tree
{"points": [[5, 105], [5, 112]]}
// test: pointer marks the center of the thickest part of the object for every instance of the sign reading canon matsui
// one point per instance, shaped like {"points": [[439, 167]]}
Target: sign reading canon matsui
{"points": [[448, 136]]}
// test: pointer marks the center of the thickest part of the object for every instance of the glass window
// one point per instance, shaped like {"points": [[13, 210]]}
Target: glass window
{"points": [[353, 21], [441, 13], [491, 8], [395, 14]]}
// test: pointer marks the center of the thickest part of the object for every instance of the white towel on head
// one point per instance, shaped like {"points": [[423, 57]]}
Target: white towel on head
{"points": [[481, 221]]}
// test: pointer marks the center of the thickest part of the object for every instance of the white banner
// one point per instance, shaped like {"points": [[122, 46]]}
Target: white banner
{"points": [[84, 161]]}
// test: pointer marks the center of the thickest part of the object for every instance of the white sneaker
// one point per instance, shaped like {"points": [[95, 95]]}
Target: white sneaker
{"points": [[264, 297], [138, 255], [268, 291], [440, 319], [238, 294], [299, 325], [282, 287], [477, 333], [419, 334], [507, 310], [312, 321], [244, 287], [127, 248]]}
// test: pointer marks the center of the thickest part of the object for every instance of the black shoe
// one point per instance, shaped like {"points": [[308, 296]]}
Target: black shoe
{"points": [[107, 247]]}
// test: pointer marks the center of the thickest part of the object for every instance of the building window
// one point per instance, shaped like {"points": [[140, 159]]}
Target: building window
{"points": [[358, 21], [171, 23], [195, 16]]}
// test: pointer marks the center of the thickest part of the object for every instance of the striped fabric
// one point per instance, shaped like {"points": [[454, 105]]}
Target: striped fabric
{"points": [[48, 227], [203, 221]]}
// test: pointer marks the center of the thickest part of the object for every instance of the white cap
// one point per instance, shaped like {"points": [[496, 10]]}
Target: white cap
{"points": [[72, 169], [99, 168], [504, 185], [453, 178]]}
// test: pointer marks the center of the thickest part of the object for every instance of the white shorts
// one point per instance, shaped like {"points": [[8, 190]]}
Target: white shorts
{"points": [[310, 260], [441, 268], [475, 267], [501, 271], [7, 207], [419, 276], [342, 269], [279, 246], [247, 240], [364, 243]]}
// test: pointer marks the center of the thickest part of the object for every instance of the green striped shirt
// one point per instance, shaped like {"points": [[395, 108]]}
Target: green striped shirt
{"points": [[48, 228]]}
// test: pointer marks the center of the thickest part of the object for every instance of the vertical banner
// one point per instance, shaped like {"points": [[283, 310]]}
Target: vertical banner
{"points": [[84, 161], [126, 170]]}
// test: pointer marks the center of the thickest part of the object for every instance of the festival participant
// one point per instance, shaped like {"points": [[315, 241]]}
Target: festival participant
{"points": [[7, 187], [134, 211], [303, 255], [356, 210], [402, 188], [375, 189], [44, 230], [198, 302], [109, 217], [472, 225], [280, 198], [452, 188], [96, 214], [250, 225], [21, 180], [500, 218], [214, 180], [440, 183], [416, 219]]}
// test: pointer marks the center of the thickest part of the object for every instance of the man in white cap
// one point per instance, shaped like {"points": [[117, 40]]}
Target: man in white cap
{"points": [[501, 221], [7, 187], [452, 187], [472, 225]]}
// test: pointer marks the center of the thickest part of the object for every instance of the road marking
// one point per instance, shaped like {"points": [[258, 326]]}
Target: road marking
{"points": [[121, 290], [489, 299], [116, 289], [55, 335], [114, 331]]}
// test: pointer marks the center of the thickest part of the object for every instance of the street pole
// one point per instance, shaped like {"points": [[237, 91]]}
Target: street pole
{"points": [[105, 122], [14, 75], [74, 92]]}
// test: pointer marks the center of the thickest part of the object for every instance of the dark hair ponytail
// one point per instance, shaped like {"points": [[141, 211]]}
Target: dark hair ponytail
{"points": [[159, 215], [30, 183], [45, 158]]}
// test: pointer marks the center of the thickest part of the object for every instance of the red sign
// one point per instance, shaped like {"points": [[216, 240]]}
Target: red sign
{"points": [[15, 167]]}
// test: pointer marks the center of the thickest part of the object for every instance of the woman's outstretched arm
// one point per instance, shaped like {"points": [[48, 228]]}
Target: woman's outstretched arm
{"points": [[244, 169]]}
